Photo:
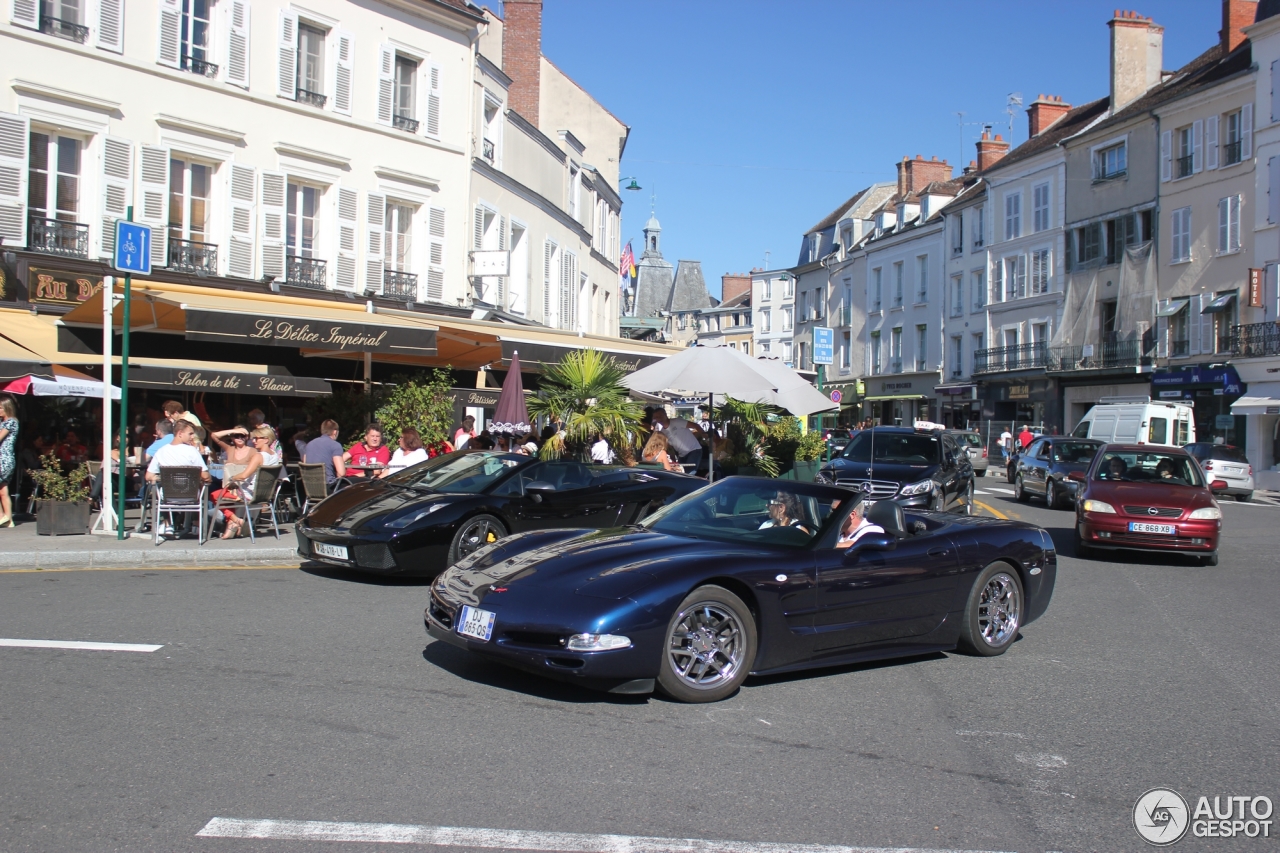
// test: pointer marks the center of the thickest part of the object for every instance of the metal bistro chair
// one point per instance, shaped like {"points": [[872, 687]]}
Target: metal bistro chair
{"points": [[181, 491], [314, 487], [262, 500]]}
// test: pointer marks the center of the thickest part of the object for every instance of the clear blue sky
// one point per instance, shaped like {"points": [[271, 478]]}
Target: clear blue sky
{"points": [[753, 120]]}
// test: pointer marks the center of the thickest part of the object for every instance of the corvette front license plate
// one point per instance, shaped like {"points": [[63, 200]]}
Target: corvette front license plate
{"points": [[477, 623], [337, 552], [1145, 527]]}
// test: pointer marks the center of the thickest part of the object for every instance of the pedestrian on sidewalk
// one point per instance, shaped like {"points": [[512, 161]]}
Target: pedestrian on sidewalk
{"points": [[8, 456]]}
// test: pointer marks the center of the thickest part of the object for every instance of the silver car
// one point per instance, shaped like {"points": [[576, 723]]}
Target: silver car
{"points": [[1227, 463], [973, 444]]}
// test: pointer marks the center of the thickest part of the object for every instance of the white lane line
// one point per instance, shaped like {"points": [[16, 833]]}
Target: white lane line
{"points": [[75, 644], [966, 733], [511, 839], [1001, 489]]}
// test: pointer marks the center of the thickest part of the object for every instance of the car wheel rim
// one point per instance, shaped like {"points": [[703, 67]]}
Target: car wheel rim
{"points": [[707, 645], [968, 501], [1050, 495], [1017, 487], [999, 610], [476, 535]]}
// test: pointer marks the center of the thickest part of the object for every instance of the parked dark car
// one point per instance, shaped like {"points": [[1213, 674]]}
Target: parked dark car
{"points": [[918, 468], [1227, 463], [425, 518], [1043, 468], [1147, 498], [837, 438], [708, 590]]}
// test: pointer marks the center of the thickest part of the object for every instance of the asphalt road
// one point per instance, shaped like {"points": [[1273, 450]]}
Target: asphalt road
{"points": [[295, 695]]}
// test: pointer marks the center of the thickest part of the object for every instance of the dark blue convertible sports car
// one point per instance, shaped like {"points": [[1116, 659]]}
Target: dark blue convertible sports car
{"points": [[747, 576]]}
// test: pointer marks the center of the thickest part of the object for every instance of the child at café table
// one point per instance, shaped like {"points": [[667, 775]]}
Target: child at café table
{"points": [[371, 451]]}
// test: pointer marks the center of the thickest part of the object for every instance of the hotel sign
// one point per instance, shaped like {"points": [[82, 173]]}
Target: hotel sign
{"points": [[53, 287], [303, 333]]}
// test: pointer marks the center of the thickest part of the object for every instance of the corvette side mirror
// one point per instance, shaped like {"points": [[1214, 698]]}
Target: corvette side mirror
{"points": [[538, 489], [1078, 476], [871, 542]]}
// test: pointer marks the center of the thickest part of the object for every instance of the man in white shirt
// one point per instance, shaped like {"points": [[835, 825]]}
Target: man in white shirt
{"points": [[856, 526], [1006, 444], [600, 451], [179, 453], [683, 442]]}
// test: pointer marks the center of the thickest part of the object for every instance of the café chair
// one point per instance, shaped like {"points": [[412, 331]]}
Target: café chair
{"points": [[263, 499], [181, 491], [314, 487]]}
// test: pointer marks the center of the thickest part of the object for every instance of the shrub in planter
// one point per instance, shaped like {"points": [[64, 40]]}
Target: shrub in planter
{"points": [[63, 506]]}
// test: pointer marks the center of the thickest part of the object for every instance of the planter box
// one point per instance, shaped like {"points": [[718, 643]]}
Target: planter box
{"points": [[805, 472], [58, 518]]}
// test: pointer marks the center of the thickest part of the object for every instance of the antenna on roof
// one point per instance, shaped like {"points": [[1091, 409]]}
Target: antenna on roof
{"points": [[1011, 107], [960, 122]]}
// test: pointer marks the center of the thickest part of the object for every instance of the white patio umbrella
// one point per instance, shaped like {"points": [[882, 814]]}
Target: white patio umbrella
{"points": [[794, 393]]}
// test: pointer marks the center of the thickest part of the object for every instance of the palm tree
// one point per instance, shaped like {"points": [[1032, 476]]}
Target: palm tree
{"points": [[584, 390]]}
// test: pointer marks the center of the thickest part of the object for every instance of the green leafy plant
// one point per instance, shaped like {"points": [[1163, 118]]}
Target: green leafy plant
{"points": [[749, 426], [57, 486], [423, 402], [810, 446], [585, 391]]}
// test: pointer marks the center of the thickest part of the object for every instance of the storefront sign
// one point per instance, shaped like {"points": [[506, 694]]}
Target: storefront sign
{"points": [[227, 381], [303, 333], [1019, 392], [1256, 279], [892, 387], [551, 354], [1170, 395], [53, 287], [1224, 377], [1224, 422]]}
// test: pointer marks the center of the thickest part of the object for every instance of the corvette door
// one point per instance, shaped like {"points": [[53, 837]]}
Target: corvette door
{"points": [[869, 597]]}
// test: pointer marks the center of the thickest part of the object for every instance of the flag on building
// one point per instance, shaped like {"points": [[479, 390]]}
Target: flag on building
{"points": [[627, 266]]}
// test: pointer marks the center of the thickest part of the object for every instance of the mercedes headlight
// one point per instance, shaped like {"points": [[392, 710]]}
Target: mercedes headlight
{"points": [[1206, 512], [597, 642], [923, 487], [413, 516], [826, 477], [1098, 506]]}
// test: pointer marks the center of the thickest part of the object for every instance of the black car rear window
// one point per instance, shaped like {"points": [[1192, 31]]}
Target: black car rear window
{"points": [[895, 448]]}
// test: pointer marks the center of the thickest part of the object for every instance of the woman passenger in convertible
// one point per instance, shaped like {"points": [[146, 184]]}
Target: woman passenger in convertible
{"points": [[784, 511]]}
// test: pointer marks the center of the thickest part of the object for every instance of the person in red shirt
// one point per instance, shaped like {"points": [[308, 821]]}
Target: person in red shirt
{"points": [[1025, 437], [371, 451]]}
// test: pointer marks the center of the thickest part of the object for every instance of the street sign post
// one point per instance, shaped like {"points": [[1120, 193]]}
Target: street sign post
{"points": [[133, 255], [824, 345], [133, 247]]}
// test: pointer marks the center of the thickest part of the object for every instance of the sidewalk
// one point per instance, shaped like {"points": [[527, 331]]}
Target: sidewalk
{"points": [[21, 548]]}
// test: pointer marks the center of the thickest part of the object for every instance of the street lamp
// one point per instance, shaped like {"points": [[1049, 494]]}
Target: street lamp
{"points": [[633, 186]]}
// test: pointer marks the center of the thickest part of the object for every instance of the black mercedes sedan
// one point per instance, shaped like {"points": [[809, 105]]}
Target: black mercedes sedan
{"points": [[918, 468], [746, 576], [421, 520]]}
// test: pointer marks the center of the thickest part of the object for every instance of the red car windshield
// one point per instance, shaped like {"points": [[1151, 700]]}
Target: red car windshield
{"points": [[1148, 466]]}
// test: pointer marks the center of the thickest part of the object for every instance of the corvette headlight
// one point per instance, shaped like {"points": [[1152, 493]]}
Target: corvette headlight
{"points": [[598, 642], [1206, 512], [921, 488], [1098, 506], [413, 516]]}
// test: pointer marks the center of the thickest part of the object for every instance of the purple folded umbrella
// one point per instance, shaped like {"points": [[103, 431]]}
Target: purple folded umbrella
{"points": [[511, 416]]}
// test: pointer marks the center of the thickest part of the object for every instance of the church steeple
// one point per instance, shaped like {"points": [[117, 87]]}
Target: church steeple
{"points": [[652, 238]]}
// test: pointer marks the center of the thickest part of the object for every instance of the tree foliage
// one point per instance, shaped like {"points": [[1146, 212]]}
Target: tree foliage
{"points": [[423, 402], [585, 391]]}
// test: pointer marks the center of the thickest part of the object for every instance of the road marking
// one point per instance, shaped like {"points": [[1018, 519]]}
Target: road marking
{"points": [[1042, 760], [1001, 489], [76, 644], [509, 839], [997, 513], [152, 569], [964, 733]]}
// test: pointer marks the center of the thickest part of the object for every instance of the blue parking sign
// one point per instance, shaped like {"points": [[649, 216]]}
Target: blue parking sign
{"points": [[824, 345], [133, 247]]}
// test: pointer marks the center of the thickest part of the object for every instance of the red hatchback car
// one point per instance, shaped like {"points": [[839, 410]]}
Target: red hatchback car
{"points": [[1144, 498]]}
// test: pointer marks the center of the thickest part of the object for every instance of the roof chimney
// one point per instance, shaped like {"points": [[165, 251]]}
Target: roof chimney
{"points": [[1043, 113], [734, 284], [522, 55], [1236, 15], [915, 175], [990, 151], [1137, 54]]}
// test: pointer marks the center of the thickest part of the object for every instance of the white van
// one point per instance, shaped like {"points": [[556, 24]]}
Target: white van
{"points": [[1139, 420]]}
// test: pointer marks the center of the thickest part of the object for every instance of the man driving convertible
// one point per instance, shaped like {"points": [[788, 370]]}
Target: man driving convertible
{"points": [[856, 526]]}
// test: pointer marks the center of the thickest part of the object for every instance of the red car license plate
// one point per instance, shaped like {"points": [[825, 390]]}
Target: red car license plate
{"points": [[1147, 527]]}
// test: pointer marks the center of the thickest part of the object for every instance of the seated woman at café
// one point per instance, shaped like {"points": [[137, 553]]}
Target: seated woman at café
{"points": [[655, 450], [370, 451], [239, 472], [410, 452]]}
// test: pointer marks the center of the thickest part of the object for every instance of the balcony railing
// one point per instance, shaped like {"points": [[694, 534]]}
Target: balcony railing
{"points": [[490, 152], [306, 272], [63, 28], [956, 373], [875, 306], [1108, 356], [921, 365], [895, 365], [1255, 339], [1232, 153], [199, 66], [957, 250], [1018, 357], [1185, 165], [402, 285], [315, 99], [1177, 349], [56, 237], [897, 300], [404, 122], [193, 256], [957, 309], [845, 317]]}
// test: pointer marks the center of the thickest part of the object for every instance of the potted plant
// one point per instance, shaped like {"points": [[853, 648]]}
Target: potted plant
{"points": [[809, 450], [63, 505]]}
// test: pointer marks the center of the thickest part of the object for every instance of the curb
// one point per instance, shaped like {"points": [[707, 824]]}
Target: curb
{"points": [[147, 557]]}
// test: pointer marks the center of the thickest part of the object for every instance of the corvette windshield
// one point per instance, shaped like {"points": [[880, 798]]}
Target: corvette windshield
{"points": [[747, 511], [470, 473], [894, 448]]}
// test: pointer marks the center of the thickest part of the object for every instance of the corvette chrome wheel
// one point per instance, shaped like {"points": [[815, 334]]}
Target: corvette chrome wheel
{"points": [[707, 645], [999, 609]]}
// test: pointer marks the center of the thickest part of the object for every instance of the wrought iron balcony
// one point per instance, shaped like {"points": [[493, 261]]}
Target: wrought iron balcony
{"points": [[404, 122], [306, 272], [895, 365], [315, 99], [1107, 356], [1185, 165], [1177, 349], [402, 285], [199, 66], [1232, 153], [63, 28], [897, 301], [956, 373], [56, 237], [193, 256], [957, 309], [846, 316], [489, 151], [1255, 340], [1019, 357]]}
